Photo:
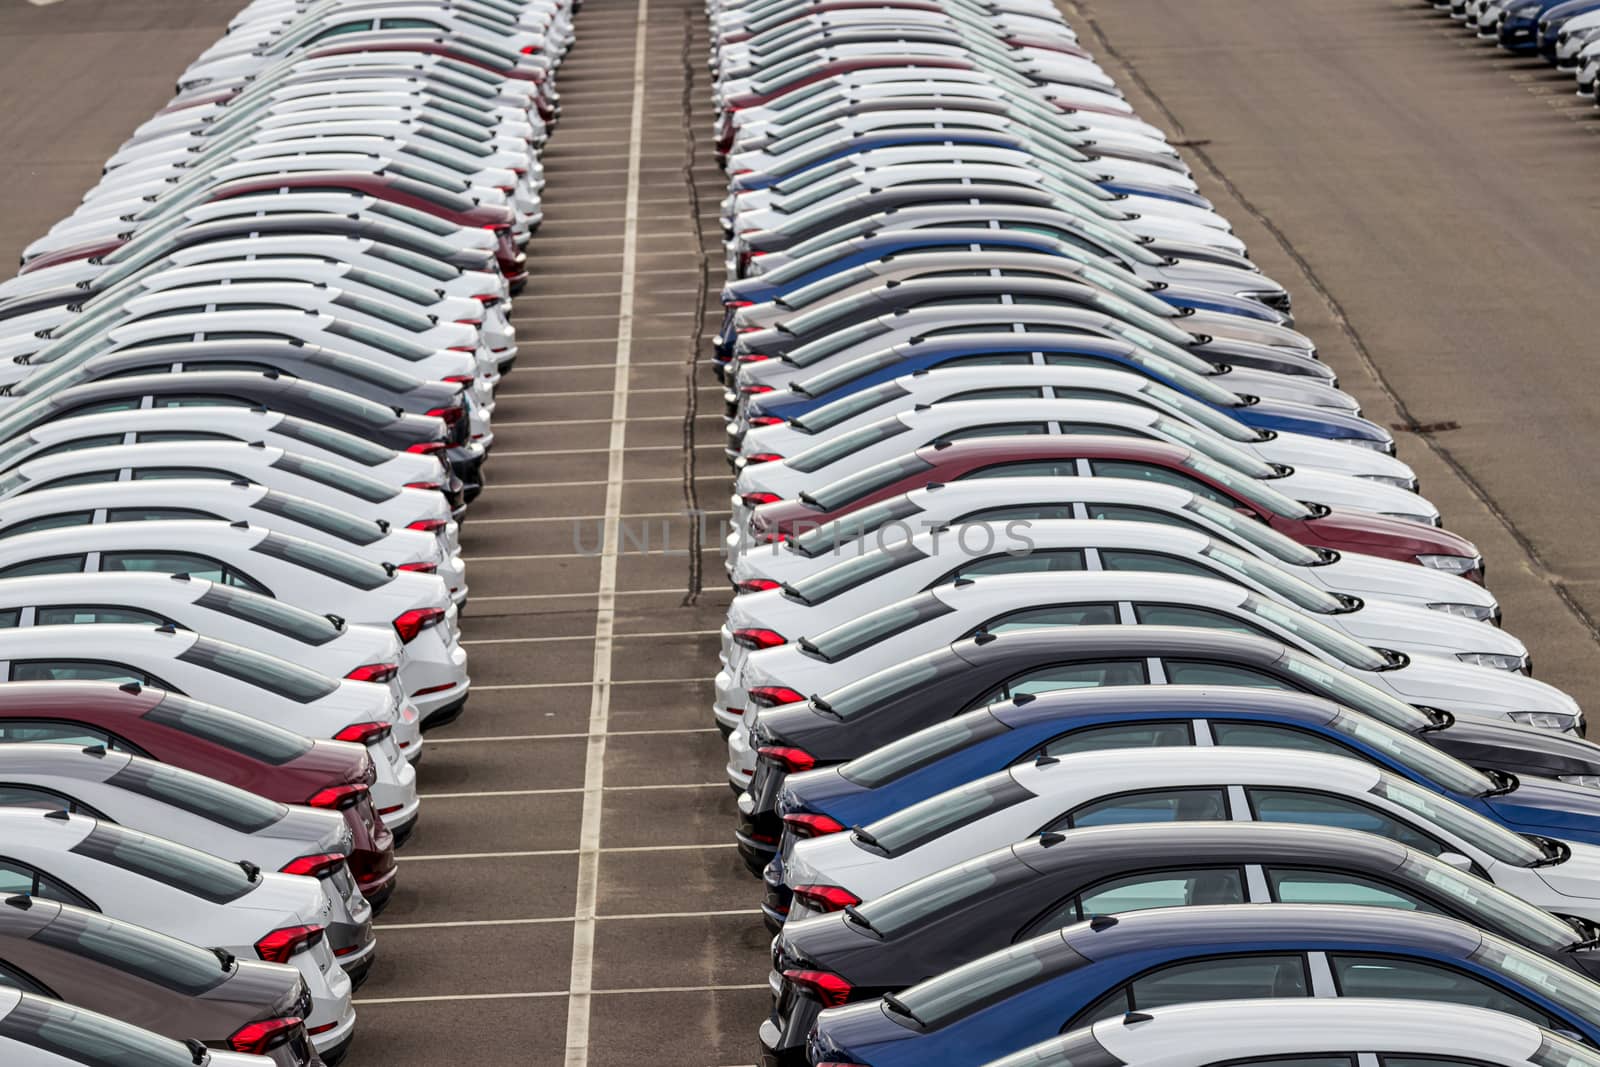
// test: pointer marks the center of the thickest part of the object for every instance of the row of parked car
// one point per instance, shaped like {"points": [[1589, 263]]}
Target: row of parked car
{"points": [[1076, 605], [1564, 32], [245, 399]]}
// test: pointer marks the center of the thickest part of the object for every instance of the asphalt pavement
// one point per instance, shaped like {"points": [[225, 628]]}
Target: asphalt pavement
{"points": [[571, 895]]}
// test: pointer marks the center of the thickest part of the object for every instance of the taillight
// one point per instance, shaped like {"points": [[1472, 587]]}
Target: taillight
{"points": [[408, 624], [766, 420], [264, 1035], [450, 415], [828, 988], [762, 457], [758, 638], [809, 824], [487, 299], [460, 379], [790, 759], [435, 487], [419, 568], [529, 50], [374, 672], [754, 390], [770, 696], [755, 500], [740, 303], [825, 897], [428, 525], [364, 733], [428, 448], [314, 866], [338, 797], [757, 585], [284, 942]]}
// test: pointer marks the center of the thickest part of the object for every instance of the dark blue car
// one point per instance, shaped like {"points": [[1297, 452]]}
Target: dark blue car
{"points": [[1109, 966], [999, 347], [1519, 30], [970, 746], [1554, 19]]}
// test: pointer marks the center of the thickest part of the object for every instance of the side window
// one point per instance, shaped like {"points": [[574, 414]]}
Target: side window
{"points": [[1139, 892], [1242, 978], [1149, 472], [1132, 514], [25, 731], [86, 478], [1015, 392], [32, 796], [1053, 560], [130, 403], [199, 401], [1119, 735], [1057, 615], [1193, 672], [75, 615], [1156, 805], [1033, 468], [1148, 562], [66, 670], [1426, 1061], [49, 522], [49, 565], [179, 563], [348, 27], [1272, 735], [408, 24], [18, 877], [156, 474], [156, 436], [1098, 430], [1403, 979], [102, 440], [1322, 809], [1023, 512], [154, 514], [995, 429], [1183, 615], [1071, 676], [1295, 1061], [1291, 886], [11, 978], [993, 359]]}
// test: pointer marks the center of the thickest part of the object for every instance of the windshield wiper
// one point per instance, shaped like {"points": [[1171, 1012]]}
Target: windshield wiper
{"points": [[1504, 782], [1555, 852], [861, 834], [898, 1006], [859, 919], [225, 958]]}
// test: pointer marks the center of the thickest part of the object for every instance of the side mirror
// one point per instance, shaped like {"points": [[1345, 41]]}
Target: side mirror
{"points": [[1456, 860]]}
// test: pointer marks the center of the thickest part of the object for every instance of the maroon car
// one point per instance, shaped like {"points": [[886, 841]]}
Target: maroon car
{"points": [[209, 740], [1072, 455], [796, 12]]}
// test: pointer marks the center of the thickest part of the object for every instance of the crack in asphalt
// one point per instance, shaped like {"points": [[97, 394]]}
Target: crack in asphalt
{"points": [[1084, 15], [691, 410]]}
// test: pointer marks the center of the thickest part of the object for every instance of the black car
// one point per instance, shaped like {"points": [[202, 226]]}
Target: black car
{"points": [[1043, 884], [980, 670]]}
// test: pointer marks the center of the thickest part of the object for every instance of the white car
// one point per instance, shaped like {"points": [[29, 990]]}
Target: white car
{"points": [[235, 501], [901, 630], [1179, 784], [336, 485], [785, 477], [252, 683], [1322, 1031], [1002, 501], [184, 893], [858, 585], [416, 606], [202, 813]]}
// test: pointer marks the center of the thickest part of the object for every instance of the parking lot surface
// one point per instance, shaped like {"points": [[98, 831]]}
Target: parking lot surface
{"points": [[572, 895]]}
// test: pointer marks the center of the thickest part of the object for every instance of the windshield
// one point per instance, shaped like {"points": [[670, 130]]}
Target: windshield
{"points": [[234, 808], [255, 738], [1255, 533], [1318, 635], [1475, 896], [829, 537], [1573, 992], [848, 444], [1452, 818], [1349, 691], [1201, 414], [276, 676], [1281, 582], [1248, 488], [1402, 747], [836, 495], [1214, 447]]}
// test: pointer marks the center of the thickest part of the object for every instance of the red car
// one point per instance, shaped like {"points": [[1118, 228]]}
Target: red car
{"points": [[1114, 457], [837, 67], [254, 755], [387, 187]]}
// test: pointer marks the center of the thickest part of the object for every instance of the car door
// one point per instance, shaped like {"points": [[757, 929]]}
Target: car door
{"points": [[1176, 887], [1083, 674], [1243, 977]]}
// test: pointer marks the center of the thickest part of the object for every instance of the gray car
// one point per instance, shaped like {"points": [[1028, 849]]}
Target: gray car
{"points": [[39, 1032]]}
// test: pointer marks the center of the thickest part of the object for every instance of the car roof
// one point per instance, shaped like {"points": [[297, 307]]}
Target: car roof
{"points": [[1049, 643], [990, 592], [65, 697], [1216, 928], [1039, 488], [149, 588], [1177, 767], [63, 763], [110, 641], [245, 455]]}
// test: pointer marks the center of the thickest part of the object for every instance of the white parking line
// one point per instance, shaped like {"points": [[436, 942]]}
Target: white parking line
{"points": [[579, 983], [590, 555], [533, 452], [560, 685], [620, 592], [614, 418], [618, 425], [573, 789], [584, 996], [559, 737], [747, 912], [536, 852], [585, 637]]}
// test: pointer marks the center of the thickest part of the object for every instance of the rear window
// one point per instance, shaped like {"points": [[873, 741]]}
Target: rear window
{"points": [[909, 828], [178, 866], [830, 452], [335, 477], [198, 795], [340, 443], [826, 584], [320, 517], [154, 957], [383, 340], [230, 730], [837, 494], [848, 407], [851, 637], [341, 566], [264, 672], [82, 1037], [304, 626], [899, 758], [975, 985], [829, 536]]}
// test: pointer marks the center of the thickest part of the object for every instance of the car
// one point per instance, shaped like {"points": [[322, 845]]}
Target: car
{"points": [[980, 671], [147, 979], [184, 893], [1339, 476], [1466, 684], [1312, 524], [260, 686], [1103, 969], [41, 1032], [1018, 892], [1406, 1031], [203, 813]]}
